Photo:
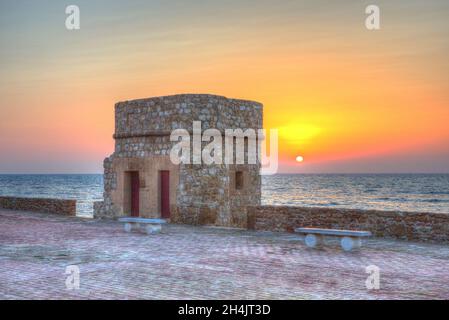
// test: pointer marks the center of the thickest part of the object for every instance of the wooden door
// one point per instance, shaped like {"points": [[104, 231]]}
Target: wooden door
{"points": [[135, 189], [165, 194]]}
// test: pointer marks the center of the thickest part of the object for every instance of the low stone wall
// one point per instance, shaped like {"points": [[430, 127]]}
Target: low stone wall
{"points": [[99, 210], [388, 224], [58, 206]]}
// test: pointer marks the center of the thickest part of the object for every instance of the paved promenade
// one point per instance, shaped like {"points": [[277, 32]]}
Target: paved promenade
{"points": [[185, 262]]}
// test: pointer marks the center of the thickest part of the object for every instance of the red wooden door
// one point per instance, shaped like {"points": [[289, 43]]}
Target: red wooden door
{"points": [[165, 194], [135, 186]]}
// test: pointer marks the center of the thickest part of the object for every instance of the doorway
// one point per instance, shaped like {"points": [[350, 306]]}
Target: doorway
{"points": [[165, 194], [132, 193]]}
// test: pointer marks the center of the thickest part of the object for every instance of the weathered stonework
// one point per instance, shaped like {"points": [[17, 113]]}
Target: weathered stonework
{"points": [[57, 206], [199, 193], [387, 224]]}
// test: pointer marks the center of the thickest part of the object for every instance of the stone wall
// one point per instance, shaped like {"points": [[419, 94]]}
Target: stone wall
{"points": [[57, 206], [152, 117], [388, 224]]}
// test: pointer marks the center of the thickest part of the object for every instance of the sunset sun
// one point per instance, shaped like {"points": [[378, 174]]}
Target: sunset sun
{"points": [[299, 159]]}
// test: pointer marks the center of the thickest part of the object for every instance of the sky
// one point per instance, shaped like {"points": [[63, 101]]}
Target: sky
{"points": [[346, 98]]}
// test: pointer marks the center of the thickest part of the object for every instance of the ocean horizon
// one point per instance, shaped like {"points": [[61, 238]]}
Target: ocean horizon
{"points": [[413, 192]]}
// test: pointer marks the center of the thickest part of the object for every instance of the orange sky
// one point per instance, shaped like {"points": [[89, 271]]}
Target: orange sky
{"points": [[345, 98]]}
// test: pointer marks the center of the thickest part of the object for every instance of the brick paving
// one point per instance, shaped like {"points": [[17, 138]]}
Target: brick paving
{"points": [[185, 262]]}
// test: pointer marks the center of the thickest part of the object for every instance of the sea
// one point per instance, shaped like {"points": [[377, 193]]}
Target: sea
{"points": [[404, 192]]}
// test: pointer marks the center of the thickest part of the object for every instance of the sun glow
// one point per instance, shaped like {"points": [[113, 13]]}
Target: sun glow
{"points": [[298, 133]]}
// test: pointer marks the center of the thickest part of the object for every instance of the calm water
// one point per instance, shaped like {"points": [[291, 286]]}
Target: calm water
{"points": [[406, 192]]}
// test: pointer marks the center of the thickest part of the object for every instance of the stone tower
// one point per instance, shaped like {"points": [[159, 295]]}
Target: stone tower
{"points": [[141, 180]]}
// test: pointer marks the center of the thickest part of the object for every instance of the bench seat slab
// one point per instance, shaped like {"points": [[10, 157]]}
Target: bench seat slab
{"points": [[334, 232], [142, 220]]}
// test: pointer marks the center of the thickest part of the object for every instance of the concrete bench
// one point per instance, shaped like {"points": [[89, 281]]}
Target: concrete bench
{"points": [[350, 239], [151, 225]]}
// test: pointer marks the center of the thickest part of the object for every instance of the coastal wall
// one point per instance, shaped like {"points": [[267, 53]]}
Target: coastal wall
{"points": [[57, 206], [388, 224]]}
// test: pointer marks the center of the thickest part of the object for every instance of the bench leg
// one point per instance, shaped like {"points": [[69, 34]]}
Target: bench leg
{"points": [[313, 240], [127, 227], [349, 243], [152, 229]]}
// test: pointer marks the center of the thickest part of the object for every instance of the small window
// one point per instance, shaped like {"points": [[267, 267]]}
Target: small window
{"points": [[238, 180]]}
